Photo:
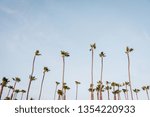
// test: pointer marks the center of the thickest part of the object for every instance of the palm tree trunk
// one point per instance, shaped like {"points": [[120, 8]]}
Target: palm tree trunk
{"points": [[13, 90], [129, 76], [22, 96], [97, 95], [63, 74], [108, 94], [59, 97], [55, 92], [114, 93], [64, 95], [127, 96], [41, 86], [101, 79], [137, 96], [92, 94], [76, 91], [147, 94], [8, 93], [1, 91]]}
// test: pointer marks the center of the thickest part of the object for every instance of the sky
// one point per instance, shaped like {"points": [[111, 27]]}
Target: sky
{"points": [[72, 25]]}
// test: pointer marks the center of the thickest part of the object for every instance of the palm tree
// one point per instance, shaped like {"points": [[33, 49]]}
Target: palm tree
{"points": [[91, 90], [136, 92], [65, 88], [63, 54], [128, 50], [126, 84], [60, 93], [108, 88], [93, 46], [77, 83], [17, 80], [16, 93], [57, 83], [3, 84], [44, 71], [125, 93], [22, 91], [10, 88], [31, 77], [146, 88], [117, 92], [119, 85], [97, 90], [102, 55], [113, 84]]}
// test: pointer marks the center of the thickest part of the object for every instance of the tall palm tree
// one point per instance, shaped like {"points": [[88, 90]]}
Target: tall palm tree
{"points": [[60, 93], [57, 83], [17, 80], [113, 84], [125, 93], [31, 77], [128, 51], [126, 84], [63, 54], [146, 88], [44, 71], [93, 46], [3, 84], [16, 93], [102, 55], [77, 83], [10, 88], [136, 92], [22, 91], [108, 88]]}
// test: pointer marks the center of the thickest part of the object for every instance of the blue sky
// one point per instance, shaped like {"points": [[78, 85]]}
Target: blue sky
{"points": [[54, 25]]}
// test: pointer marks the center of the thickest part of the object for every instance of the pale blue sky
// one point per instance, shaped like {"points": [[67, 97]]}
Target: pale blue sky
{"points": [[72, 25]]}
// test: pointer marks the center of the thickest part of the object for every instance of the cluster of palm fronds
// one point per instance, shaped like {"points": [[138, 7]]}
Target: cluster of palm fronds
{"points": [[115, 88]]}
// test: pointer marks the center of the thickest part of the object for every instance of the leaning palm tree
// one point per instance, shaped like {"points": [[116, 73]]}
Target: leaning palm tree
{"points": [[128, 50], [108, 88], [60, 93], [3, 84], [44, 71], [125, 93], [126, 84], [22, 91], [146, 88], [77, 83], [17, 80], [57, 83], [63, 54], [16, 93], [31, 77], [102, 55], [10, 88], [93, 46], [136, 92]]}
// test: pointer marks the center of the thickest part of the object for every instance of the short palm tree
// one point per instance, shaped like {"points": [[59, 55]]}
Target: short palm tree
{"points": [[128, 51], [16, 80], [3, 84], [60, 93], [125, 93], [91, 90], [102, 55], [126, 84], [23, 92], [97, 91], [57, 83], [16, 93], [65, 89], [77, 83], [10, 88], [136, 92], [93, 46], [63, 54], [118, 85], [146, 88], [31, 77], [113, 84], [44, 71], [108, 88]]}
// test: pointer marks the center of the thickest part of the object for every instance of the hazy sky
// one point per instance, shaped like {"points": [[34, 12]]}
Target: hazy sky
{"points": [[72, 25]]}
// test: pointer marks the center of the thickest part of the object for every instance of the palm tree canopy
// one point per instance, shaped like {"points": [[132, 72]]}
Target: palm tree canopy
{"points": [[93, 46], [124, 90], [10, 87], [102, 55], [136, 90], [128, 50], [4, 81], [32, 78], [37, 53], [17, 91], [23, 91], [46, 69], [77, 82], [17, 79], [57, 83], [59, 92], [65, 54]]}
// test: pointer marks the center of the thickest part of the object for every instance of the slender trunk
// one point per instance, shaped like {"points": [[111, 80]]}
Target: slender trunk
{"points": [[127, 96], [108, 94], [97, 95], [30, 78], [55, 92], [15, 95], [137, 96], [41, 85], [101, 79], [147, 94], [76, 91], [63, 74], [64, 94], [59, 97], [13, 91], [129, 76], [114, 93], [1, 91], [8, 93], [22, 96], [92, 94]]}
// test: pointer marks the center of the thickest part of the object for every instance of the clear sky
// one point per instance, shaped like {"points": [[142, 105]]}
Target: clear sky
{"points": [[72, 25]]}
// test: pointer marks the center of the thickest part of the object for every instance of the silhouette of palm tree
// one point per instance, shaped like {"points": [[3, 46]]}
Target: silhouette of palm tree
{"points": [[146, 88], [3, 84], [108, 88], [22, 91], [77, 83], [60, 93], [136, 92], [57, 83], [126, 84]]}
